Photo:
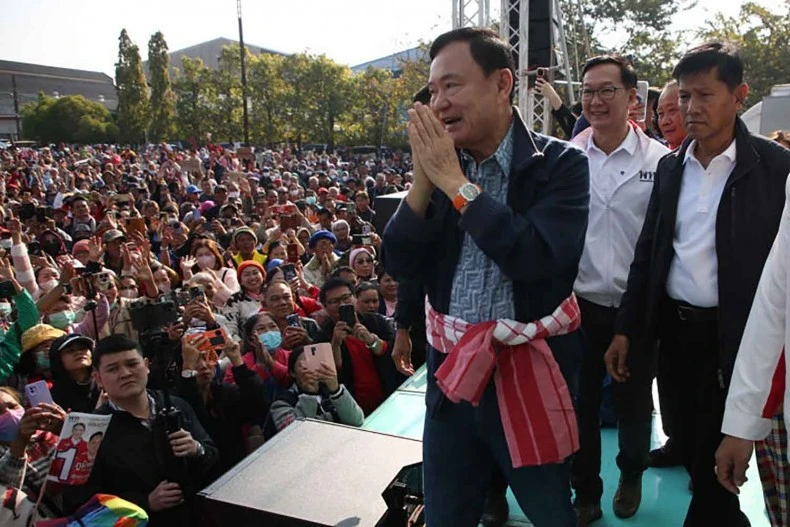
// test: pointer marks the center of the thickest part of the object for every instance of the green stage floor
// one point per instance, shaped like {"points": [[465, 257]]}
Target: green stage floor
{"points": [[665, 493]]}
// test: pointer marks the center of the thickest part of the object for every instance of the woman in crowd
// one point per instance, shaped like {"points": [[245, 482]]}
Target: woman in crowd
{"points": [[264, 354], [34, 362], [206, 256], [248, 301], [222, 408], [28, 439], [364, 264], [73, 385], [388, 289]]}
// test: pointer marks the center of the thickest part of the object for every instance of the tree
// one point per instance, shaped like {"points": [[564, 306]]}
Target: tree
{"points": [[195, 100], [643, 28], [69, 119], [163, 100], [761, 36], [133, 109], [330, 90], [297, 101], [267, 91]]}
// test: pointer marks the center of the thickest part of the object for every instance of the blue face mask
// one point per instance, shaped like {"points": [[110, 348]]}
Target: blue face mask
{"points": [[62, 319], [311, 200], [271, 340], [5, 309]]}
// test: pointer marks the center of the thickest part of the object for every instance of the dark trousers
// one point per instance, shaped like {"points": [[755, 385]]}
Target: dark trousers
{"points": [[695, 377], [668, 398], [462, 446], [632, 400]]}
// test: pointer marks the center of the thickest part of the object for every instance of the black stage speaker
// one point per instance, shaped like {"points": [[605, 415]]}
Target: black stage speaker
{"points": [[540, 32], [385, 206], [312, 474]]}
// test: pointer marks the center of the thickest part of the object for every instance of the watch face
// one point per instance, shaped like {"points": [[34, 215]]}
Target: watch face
{"points": [[469, 192]]}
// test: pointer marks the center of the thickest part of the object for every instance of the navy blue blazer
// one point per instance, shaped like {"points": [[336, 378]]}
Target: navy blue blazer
{"points": [[536, 239]]}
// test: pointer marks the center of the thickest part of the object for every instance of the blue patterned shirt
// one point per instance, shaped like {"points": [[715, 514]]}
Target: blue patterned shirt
{"points": [[481, 291]]}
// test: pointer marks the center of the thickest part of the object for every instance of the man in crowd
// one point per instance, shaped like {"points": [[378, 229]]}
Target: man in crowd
{"points": [[360, 349], [623, 161], [710, 224], [363, 207], [140, 461], [670, 120], [500, 237]]}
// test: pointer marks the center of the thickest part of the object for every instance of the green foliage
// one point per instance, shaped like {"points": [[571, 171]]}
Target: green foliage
{"points": [[762, 36], [195, 97], [641, 27], [163, 100], [133, 108], [69, 119], [295, 98]]}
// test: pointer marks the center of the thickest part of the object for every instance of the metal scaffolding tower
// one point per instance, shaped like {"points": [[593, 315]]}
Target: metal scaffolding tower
{"points": [[535, 110]]}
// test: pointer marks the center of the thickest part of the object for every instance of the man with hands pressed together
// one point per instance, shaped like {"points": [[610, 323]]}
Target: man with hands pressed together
{"points": [[131, 463], [496, 239]]}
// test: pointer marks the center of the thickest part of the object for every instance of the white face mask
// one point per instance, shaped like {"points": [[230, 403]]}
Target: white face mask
{"points": [[206, 261], [49, 285], [128, 293], [164, 287], [234, 195]]}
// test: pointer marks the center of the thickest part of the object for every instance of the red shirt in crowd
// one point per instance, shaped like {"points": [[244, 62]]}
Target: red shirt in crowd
{"points": [[368, 390]]}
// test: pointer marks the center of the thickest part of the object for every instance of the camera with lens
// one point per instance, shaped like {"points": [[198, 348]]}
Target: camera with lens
{"points": [[151, 318]]}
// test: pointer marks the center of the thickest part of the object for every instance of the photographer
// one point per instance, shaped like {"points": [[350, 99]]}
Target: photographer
{"points": [[139, 452]]}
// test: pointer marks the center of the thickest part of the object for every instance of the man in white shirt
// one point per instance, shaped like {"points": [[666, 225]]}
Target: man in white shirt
{"points": [[709, 227], [623, 162]]}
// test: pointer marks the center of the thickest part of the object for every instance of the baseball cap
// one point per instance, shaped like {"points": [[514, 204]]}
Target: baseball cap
{"points": [[112, 235]]}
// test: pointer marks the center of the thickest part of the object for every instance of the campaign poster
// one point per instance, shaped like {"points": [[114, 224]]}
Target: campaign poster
{"points": [[78, 446]]}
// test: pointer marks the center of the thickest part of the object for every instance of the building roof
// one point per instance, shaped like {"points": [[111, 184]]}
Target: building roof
{"points": [[390, 62], [34, 78], [38, 70], [209, 52]]}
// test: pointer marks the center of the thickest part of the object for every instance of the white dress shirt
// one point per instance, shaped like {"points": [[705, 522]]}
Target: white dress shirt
{"points": [[620, 188], [693, 274], [766, 336]]}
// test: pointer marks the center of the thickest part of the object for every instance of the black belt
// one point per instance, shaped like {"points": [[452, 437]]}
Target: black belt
{"points": [[688, 313]]}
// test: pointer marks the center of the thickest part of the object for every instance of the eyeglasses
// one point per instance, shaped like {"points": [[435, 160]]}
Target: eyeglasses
{"points": [[339, 300], [606, 94]]}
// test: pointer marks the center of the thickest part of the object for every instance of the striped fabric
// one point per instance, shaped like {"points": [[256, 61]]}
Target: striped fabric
{"points": [[775, 472], [534, 401]]}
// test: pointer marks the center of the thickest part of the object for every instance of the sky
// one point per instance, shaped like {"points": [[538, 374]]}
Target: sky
{"points": [[83, 34]]}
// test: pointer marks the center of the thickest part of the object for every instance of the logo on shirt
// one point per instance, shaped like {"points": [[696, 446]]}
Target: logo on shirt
{"points": [[645, 176]]}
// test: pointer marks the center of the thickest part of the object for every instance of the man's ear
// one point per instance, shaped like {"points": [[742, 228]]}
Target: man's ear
{"points": [[505, 83], [741, 92], [97, 378]]}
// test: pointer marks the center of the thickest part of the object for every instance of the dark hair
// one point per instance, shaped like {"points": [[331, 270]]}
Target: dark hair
{"points": [[272, 245], [248, 328], [293, 358], [331, 284], [627, 72], [723, 56], [366, 286], [488, 50], [342, 269], [423, 96], [79, 424], [94, 435], [116, 343]]}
